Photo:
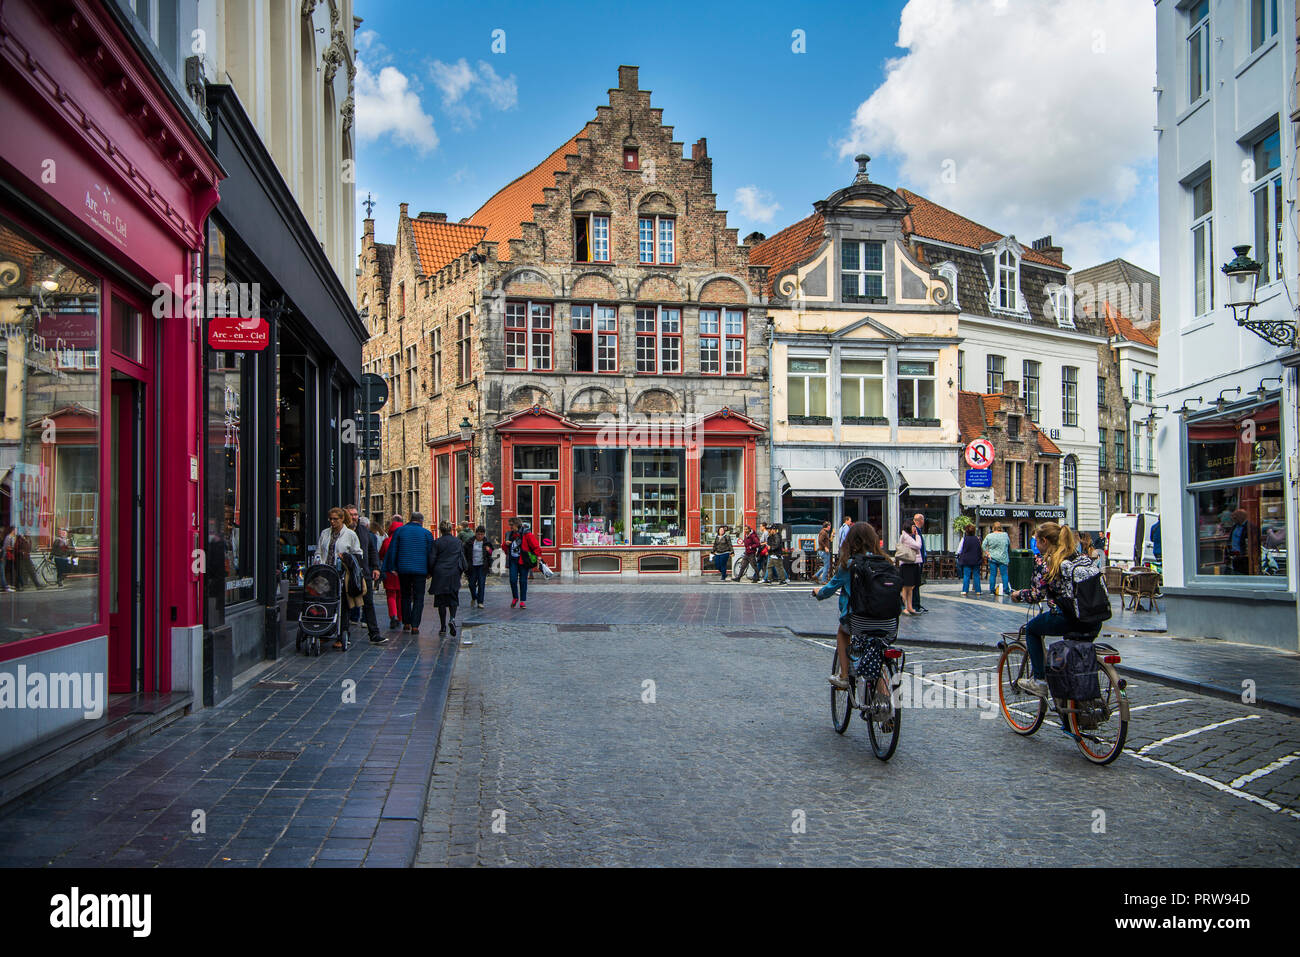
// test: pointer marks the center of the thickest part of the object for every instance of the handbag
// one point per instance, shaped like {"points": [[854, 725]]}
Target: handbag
{"points": [[904, 552]]}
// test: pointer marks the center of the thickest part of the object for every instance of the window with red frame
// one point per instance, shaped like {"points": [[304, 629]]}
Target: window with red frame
{"points": [[722, 341], [529, 337], [595, 338], [659, 340]]}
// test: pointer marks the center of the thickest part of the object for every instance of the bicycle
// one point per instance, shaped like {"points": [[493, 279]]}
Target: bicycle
{"points": [[1088, 722], [882, 712], [47, 573]]}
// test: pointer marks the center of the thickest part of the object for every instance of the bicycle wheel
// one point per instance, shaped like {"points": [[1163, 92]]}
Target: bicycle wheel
{"points": [[1102, 744], [841, 710], [1023, 711], [46, 573], [883, 719]]}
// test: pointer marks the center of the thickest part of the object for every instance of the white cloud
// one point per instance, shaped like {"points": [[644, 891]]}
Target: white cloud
{"points": [[464, 88], [1023, 115], [755, 204], [387, 106]]}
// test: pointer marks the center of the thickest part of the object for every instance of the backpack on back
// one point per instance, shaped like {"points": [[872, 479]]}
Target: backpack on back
{"points": [[1091, 600], [875, 588]]}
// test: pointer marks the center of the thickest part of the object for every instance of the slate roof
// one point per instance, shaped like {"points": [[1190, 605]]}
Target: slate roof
{"points": [[1124, 274], [932, 221], [504, 214], [789, 248], [438, 243], [976, 412]]}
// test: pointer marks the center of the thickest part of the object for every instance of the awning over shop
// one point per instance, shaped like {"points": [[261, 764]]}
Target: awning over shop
{"points": [[813, 482], [930, 482]]}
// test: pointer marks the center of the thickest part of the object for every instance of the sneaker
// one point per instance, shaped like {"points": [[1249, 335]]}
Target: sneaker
{"points": [[378, 639], [1035, 686], [480, 604], [513, 602], [451, 627], [442, 632], [523, 604], [922, 611], [838, 683]]}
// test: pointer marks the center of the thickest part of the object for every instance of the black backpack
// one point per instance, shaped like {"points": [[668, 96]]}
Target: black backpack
{"points": [[875, 588], [1091, 600], [1072, 670]]}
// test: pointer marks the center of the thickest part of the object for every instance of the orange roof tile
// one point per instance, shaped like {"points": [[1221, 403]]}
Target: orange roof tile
{"points": [[791, 246], [1117, 324], [932, 221], [509, 208], [438, 243], [976, 411]]}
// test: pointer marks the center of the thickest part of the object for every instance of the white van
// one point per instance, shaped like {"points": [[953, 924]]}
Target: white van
{"points": [[1128, 539]]}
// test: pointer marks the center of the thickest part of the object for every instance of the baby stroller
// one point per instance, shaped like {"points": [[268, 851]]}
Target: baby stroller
{"points": [[322, 614]]}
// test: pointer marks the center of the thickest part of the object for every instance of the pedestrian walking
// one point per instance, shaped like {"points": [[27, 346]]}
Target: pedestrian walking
{"points": [[392, 585], [23, 562], [339, 546], [762, 551], [522, 550], [824, 553], [410, 555], [908, 556], [775, 556], [370, 553], [844, 530], [65, 555], [445, 568], [997, 546], [918, 532], [478, 558], [750, 558], [969, 556], [11, 568], [722, 549]]}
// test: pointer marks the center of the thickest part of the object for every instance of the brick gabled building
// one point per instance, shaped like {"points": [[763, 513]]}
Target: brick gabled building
{"points": [[602, 284], [1026, 463]]}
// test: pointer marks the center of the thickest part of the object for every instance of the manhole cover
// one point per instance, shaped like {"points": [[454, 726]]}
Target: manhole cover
{"points": [[266, 755], [277, 685], [582, 627]]}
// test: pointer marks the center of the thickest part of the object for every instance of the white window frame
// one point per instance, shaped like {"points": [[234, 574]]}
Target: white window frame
{"points": [[594, 224], [1203, 228], [1069, 398], [804, 379], [1033, 406], [1263, 22], [989, 373], [861, 274], [1198, 40], [858, 381], [663, 231], [915, 380], [1267, 182], [1006, 281], [1062, 299]]}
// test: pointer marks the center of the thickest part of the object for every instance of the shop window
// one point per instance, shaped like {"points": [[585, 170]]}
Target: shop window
{"points": [[660, 564], [862, 391], [806, 380], [442, 487], [659, 340], [229, 477], [599, 565], [537, 463], [658, 496], [721, 489], [916, 394], [49, 492], [599, 479], [594, 332], [127, 331], [463, 511]]}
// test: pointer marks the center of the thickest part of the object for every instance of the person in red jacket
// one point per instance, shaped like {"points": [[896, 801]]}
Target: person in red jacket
{"points": [[750, 558], [391, 585], [520, 545]]}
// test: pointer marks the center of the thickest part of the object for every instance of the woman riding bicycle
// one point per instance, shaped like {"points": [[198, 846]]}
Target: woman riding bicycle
{"points": [[863, 540], [1053, 581]]}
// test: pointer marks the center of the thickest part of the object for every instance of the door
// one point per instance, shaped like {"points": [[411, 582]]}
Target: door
{"points": [[126, 612], [535, 505], [867, 508]]}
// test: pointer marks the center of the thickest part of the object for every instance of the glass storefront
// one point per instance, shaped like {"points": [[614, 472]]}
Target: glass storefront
{"points": [[935, 510], [721, 489], [49, 440], [599, 480], [658, 497], [443, 480]]}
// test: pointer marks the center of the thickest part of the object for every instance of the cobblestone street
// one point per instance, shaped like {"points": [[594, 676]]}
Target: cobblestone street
{"points": [[550, 755]]}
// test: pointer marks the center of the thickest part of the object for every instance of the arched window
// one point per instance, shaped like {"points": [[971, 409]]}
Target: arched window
{"points": [[1008, 281], [864, 475]]}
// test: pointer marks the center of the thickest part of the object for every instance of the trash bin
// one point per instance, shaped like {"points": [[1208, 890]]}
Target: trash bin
{"points": [[1021, 570]]}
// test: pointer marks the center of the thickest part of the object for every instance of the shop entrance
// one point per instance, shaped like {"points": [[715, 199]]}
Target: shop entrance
{"points": [[867, 507], [132, 645], [535, 504]]}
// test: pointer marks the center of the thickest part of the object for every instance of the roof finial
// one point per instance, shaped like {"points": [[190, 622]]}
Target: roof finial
{"points": [[862, 160], [368, 203]]}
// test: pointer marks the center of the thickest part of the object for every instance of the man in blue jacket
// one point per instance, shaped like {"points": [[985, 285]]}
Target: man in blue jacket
{"points": [[410, 554]]}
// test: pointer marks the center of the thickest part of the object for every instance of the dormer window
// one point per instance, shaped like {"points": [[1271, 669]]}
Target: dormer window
{"points": [[1007, 293], [862, 270], [1062, 298]]}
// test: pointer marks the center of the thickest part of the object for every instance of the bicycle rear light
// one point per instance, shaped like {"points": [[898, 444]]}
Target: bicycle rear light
{"points": [[893, 653], [1111, 659]]}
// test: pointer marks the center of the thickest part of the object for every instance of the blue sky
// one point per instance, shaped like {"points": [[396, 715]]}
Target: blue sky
{"points": [[982, 108]]}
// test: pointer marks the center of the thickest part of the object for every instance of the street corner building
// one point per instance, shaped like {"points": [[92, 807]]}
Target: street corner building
{"points": [[882, 301], [591, 341]]}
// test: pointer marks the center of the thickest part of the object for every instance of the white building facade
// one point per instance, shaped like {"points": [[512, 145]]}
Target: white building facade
{"points": [[1225, 74]]}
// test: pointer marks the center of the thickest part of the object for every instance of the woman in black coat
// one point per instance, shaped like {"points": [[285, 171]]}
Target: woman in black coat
{"points": [[445, 571]]}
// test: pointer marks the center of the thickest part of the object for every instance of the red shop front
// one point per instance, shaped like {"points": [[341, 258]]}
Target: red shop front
{"points": [[104, 189], [628, 498]]}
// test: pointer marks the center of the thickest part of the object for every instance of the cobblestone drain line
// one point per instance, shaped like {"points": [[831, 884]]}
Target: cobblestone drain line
{"points": [[1290, 808]]}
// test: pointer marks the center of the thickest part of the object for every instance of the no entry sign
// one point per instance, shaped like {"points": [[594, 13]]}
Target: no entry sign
{"points": [[487, 488], [979, 454]]}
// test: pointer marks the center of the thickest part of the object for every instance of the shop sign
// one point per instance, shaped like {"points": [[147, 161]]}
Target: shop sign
{"points": [[979, 454], [1030, 512], [979, 478], [69, 330], [100, 207], [232, 334]]}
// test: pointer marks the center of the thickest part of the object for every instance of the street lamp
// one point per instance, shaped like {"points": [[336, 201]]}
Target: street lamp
{"points": [[466, 430], [1243, 281]]}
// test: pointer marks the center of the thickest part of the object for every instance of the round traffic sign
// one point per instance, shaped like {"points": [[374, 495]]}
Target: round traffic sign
{"points": [[487, 488], [979, 454], [374, 392]]}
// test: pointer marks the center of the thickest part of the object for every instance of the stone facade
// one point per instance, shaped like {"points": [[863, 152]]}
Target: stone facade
{"points": [[1113, 414]]}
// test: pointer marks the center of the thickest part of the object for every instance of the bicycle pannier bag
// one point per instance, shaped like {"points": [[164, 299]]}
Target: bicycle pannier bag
{"points": [[1072, 670], [875, 589]]}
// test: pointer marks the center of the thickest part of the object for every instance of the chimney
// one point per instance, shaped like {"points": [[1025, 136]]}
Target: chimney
{"points": [[432, 217], [627, 79], [1011, 387], [369, 228], [1045, 247], [753, 239], [403, 207], [862, 159], [700, 150]]}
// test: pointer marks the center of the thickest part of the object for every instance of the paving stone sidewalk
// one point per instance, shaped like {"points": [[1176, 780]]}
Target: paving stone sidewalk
{"points": [[330, 772]]}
